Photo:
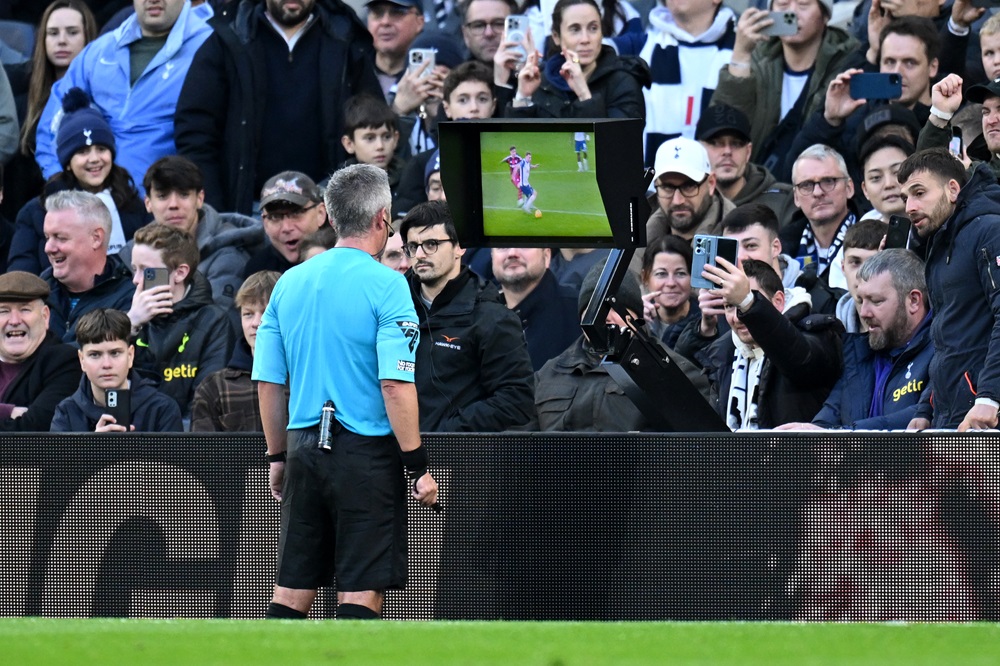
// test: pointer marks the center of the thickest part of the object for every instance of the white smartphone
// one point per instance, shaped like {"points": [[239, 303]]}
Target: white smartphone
{"points": [[420, 56]]}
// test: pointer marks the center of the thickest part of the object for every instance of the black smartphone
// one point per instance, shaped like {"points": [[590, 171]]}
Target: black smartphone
{"points": [[876, 86], [785, 24], [898, 235], [955, 145], [706, 249], [118, 403], [155, 277]]}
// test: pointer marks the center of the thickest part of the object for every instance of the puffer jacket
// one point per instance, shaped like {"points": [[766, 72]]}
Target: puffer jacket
{"points": [[850, 400], [113, 289], [615, 88], [963, 278], [151, 410], [141, 115]]}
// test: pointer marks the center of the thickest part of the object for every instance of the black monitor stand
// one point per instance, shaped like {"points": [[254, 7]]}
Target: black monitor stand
{"points": [[641, 365]]}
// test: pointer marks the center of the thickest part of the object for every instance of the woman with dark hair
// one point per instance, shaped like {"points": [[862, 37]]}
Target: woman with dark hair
{"points": [[582, 78], [65, 28], [617, 17], [669, 303], [85, 145]]}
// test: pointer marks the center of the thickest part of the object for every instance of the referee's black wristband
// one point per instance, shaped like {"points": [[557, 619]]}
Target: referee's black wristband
{"points": [[415, 461], [276, 457]]}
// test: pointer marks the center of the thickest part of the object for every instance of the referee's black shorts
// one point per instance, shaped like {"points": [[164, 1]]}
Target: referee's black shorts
{"points": [[343, 514]]}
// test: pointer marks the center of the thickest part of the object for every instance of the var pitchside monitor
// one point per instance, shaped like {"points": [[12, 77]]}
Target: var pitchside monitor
{"points": [[545, 183]]}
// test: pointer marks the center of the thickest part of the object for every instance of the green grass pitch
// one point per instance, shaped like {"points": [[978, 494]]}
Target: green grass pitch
{"points": [[247, 643], [570, 201]]}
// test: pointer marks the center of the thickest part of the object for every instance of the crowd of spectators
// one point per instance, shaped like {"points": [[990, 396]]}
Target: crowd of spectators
{"points": [[165, 162]]}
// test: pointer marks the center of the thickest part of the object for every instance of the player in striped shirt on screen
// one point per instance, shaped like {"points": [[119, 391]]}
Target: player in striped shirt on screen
{"points": [[580, 140]]}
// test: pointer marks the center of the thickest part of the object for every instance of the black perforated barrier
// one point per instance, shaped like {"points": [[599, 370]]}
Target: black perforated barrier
{"points": [[846, 527]]}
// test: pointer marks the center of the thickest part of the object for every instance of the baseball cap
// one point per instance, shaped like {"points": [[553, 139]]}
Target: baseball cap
{"points": [[722, 118], [979, 92], [684, 156], [291, 187], [19, 286], [402, 3], [889, 114]]}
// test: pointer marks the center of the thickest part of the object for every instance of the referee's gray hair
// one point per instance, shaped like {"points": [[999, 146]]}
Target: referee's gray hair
{"points": [[904, 267], [820, 152], [354, 195], [88, 207]]}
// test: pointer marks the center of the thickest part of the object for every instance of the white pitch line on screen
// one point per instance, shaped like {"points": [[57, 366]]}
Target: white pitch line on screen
{"points": [[547, 171], [545, 210]]}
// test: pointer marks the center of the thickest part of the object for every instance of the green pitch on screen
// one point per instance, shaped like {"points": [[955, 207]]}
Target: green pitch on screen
{"points": [[570, 200]]}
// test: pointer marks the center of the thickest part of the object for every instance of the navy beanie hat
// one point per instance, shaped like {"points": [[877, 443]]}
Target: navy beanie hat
{"points": [[81, 126]]}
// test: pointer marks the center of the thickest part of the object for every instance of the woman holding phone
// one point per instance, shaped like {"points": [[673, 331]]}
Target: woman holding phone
{"points": [[582, 78]]}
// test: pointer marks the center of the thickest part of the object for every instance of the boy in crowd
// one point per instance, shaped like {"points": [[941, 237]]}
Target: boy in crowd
{"points": [[371, 135], [227, 400], [182, 335], [106, 358], [468, 93], [861, 242]]}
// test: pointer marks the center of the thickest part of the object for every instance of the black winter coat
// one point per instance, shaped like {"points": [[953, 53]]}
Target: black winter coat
{"points": [[850, 400], [151, 410], [802, 362], [615, 88], [963, 278], [49, 375], [473, 369], [220, 111], [27, 247]]}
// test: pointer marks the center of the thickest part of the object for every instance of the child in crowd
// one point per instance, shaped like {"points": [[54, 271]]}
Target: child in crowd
{"points": [[317, 242], [106, 359], [227, 400], [468, 93], [371, 135]]}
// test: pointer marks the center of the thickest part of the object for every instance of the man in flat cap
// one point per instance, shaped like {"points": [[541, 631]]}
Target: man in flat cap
{"points": [[36, 369]]}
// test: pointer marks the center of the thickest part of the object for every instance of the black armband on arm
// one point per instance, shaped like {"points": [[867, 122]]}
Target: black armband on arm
{"points": [[415, 462], [276, 457]]}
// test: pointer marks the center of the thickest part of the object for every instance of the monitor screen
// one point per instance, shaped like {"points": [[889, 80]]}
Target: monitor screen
{"points": [[581, 186], [541, 183]]}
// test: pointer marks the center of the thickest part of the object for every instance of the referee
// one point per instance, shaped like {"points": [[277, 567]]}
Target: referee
{"points": [[342, 327]]}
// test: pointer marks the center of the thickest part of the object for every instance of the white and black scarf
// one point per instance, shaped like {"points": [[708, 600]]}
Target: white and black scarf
{"points": [[744, 388], [808, 251]]}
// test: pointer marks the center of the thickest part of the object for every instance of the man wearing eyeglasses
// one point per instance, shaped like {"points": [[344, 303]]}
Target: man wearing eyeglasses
{"points": [[473, 372], [482, 26], [291, 208], [822, 191], [688, 201]]}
